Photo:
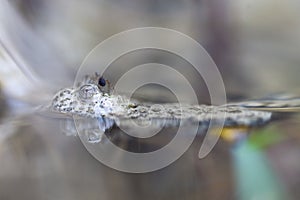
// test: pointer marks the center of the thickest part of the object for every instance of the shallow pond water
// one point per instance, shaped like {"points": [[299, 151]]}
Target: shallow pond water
{"points": [[40, 162]]}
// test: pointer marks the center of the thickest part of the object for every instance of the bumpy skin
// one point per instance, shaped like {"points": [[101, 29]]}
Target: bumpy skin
{"points": [[88, 100]]}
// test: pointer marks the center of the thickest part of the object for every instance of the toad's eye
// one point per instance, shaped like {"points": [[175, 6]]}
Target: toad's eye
{"points": [[101, 81], [87, 91]]}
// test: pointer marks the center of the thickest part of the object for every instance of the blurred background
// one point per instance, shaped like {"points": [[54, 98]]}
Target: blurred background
{"points": [[255, 44]]}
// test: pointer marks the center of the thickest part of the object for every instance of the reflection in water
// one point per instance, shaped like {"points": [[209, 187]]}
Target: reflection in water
{"points": [[40, 163], [255, 178], [253, 172]]}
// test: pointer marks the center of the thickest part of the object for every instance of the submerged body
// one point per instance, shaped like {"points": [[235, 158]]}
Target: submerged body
{"points": [[88, 100]]}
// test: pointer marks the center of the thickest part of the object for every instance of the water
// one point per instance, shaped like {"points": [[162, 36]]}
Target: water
{"points": [[56, 166], [231, 171], [41, 162]]}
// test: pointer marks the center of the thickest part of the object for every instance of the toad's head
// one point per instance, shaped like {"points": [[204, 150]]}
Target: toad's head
{"points": [[86, 100]]}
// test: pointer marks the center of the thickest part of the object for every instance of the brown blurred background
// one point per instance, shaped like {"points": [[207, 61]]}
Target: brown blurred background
{"points": [[255, 45]]}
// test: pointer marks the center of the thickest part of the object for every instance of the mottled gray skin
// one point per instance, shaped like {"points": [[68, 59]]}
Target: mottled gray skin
{"points": [[88, 100]]}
